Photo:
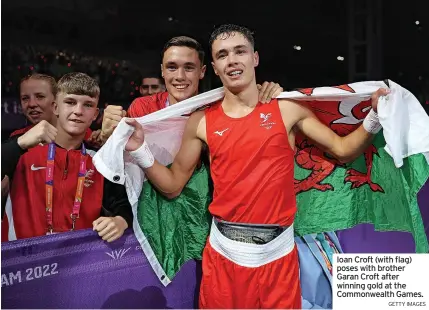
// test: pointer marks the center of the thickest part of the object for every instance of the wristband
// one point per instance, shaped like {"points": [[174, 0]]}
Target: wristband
{"points": [[371, 123], [143, 156]]}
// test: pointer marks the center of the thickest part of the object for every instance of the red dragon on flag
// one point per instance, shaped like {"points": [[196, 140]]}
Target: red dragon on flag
{"points": [[343, 117]]}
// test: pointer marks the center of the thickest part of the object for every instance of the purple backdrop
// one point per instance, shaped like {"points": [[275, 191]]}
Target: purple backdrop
{"points": [[363, 238], [79, 270]]}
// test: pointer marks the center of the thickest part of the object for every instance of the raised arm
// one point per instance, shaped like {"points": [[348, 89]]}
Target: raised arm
{"points": [[12, 150], [345, 149], [169, 181]]}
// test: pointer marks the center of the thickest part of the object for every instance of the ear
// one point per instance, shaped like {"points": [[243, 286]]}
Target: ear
{"points": [[162, 71], [203, 72], [55, 108], [214, 68], [256, 58]]}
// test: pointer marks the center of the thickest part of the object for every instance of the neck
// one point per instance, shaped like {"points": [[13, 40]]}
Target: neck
{"points": [[173, 100], [53, 121], [67, 141], [248, 97]]}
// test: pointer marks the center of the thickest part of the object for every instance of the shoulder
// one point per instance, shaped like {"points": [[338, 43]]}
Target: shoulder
{"points": [[196, 124], [294, 109], [91, 150], [211, 110], [136, 106], [196, 119], [21, 131], [147, 104]]}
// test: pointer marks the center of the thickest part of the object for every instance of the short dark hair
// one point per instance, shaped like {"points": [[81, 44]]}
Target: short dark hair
{"points": [[78, 83], [187, 42], [153, 76], [226, 30]]}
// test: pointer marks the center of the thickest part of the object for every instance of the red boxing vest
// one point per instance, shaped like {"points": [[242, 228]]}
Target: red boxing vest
{"points": [[252, 166]]}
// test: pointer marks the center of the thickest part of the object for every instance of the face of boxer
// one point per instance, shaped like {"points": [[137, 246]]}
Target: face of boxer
{"points": [[234, 61], [182, 71]]}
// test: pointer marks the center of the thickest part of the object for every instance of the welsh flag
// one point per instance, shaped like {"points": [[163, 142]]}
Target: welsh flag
{"points": [[380, 187]]}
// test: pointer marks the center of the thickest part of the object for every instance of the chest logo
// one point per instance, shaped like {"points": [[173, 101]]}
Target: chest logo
{"points": [[34, 168], [265, 120], [220, 133]]}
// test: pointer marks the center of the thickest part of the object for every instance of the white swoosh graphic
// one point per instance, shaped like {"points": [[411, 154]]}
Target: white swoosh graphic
{"points": [[33, 168]]}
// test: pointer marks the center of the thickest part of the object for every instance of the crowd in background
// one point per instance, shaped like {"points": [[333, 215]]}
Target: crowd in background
{"points": [[119, 79]]}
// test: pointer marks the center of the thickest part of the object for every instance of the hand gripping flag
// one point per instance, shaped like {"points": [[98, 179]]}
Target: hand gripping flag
{"points": [[380, 187]]}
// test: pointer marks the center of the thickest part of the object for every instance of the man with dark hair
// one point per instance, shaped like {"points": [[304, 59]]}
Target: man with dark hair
{"points": [[182, 68], [151, 84], [54, 184], [250, 259]]}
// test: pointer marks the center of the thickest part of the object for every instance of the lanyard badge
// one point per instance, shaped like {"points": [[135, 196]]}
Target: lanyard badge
{"points": [[49, 184]]}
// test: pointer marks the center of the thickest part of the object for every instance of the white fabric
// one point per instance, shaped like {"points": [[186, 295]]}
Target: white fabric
{"points": [[163, 133], [404, 121], [371, 123], [252, 255], [11, 235], [405, 124], [143, 156]]}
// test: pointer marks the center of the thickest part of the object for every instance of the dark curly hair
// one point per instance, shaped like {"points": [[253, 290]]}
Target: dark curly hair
{"points": [[226, 30]]}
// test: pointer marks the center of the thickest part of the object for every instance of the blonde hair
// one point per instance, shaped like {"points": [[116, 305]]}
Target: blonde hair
{"points": [[43, 77], [78, 83]]}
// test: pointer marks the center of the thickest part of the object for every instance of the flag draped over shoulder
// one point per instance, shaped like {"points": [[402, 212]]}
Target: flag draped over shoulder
{"points": [[380, 187]]}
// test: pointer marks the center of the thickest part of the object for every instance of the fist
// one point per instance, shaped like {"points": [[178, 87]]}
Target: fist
{"points": [[111, 118], [94, 139], [110, 228], [42, 133], [379, 93], [137, 138]]}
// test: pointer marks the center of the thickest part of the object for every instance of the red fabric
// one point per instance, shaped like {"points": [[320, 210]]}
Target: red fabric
{"points": [[25, 129], [252, 166], [87, 134], [21, 131], [147, 104], [228, 285], [29, 199]]}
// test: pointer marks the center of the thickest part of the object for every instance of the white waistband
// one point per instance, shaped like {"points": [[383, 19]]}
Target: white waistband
{"points": [[249, 254]]}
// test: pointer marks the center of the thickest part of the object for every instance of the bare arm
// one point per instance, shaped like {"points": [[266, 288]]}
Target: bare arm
{"points": [[170, 181], [345, 149]]}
